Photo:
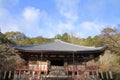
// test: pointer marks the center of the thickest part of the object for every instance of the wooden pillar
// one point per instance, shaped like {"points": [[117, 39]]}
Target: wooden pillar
{"points": [[93, 75], [28, 75], [41, 64], [73, 72], [110, 73], [15, 75], [101, 75], [97, 73], [78, 75], [66, 67], [19, 74], [24, 74], [107, 75], [9, 76], [47, 67], [38, 75], [5, 74], [33, 74]]}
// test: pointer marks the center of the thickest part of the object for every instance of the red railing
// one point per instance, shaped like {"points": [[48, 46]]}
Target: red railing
{"points": [[33, 68], [81, 68], [22, 68]]}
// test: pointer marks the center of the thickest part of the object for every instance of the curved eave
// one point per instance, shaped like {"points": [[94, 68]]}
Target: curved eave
{"points": [[58, 46], [93, 51], [70, 51]]}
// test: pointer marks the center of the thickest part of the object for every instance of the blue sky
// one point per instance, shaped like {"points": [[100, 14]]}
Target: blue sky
{"points": [[47, 18]]}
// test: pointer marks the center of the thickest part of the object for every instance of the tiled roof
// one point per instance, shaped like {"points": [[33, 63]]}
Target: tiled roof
{"points": [[58, 45]]}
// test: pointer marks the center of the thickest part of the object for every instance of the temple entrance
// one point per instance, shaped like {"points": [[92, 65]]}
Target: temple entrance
{"points": [[57, 62], [57, 69]]}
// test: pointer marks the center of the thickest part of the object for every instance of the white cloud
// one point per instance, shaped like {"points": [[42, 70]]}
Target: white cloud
{"points": [[31, 21], [68, 8], [79, 34], [91, 26], [88, 25], [35, 22], [27, 21], [11, 27], [31, 15], [65, 26], [7, 21]]}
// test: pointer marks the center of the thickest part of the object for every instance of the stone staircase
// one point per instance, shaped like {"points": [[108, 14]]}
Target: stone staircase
{"points": [[57, 73]]}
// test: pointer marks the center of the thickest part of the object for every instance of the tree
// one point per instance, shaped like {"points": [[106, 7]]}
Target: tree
{"points": [[39, 40], [58, 36], [66, 37], [8, 59], [111, 38], [88, 41], [15, 35], [96, 41], [109, 62], [111, 59]]}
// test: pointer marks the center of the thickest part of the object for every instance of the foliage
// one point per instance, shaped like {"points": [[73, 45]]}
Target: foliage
{"points": [[40, 39], [64, 37], [20, 38], [88, 41], [31, 41], [2, 38], [69, 38], [15, 35], [25, 41], [8, 59], [111, 38], [109, 61]]}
